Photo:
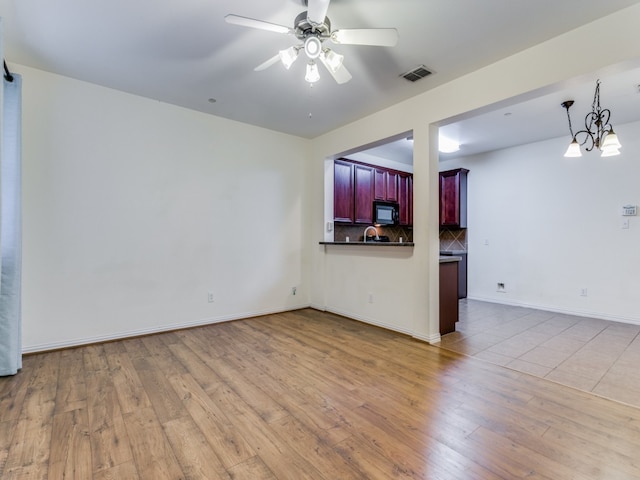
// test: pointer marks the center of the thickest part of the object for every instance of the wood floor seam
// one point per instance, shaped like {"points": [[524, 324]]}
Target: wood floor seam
{"points": [[301, 395]]}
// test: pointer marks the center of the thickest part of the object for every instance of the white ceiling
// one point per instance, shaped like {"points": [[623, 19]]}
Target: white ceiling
{"points": [[537, 117], [183, 53]]}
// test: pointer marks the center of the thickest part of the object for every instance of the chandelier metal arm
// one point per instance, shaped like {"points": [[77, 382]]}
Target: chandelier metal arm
{"points": [[589, 141], [596, 124]]}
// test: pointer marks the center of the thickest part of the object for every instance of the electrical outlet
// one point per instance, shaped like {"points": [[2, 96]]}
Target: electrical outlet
{"points": [[294, 290], [210, 298], [583, 292], [370, 297]]}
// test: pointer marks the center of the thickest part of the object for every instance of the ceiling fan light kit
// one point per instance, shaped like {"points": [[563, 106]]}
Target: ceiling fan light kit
{"points": [[312, 28], [312, 75], [332, 60], [312, 47], [598, 132], [288, 56]]}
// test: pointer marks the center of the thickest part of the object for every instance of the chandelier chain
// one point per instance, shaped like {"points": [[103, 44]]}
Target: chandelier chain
{"points": [[596, 123]]}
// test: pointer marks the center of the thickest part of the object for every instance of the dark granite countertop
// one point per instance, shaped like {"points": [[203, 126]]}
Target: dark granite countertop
{"points": [[371, 244]]}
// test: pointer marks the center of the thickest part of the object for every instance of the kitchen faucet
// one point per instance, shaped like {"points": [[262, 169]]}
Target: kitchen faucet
{"points": [[364, 236]]}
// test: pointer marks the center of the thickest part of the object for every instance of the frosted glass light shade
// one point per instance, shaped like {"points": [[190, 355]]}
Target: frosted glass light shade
{"points": [[333, 60], [312, 47], [573, 150], [610, 151], [312, 75], [288, 56], [611, 141]]}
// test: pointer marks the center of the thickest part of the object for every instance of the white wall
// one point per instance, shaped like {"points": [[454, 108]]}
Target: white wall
{"points": [[414, 302], [380, 162], [134, 210], [373, 268], [548, 226]]}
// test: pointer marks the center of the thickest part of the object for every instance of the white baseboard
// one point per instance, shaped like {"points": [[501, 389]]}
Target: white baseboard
{"points": [[370, 321], [556, 309], [387, 326], [151, 330], [317, 306], [429, 338]]}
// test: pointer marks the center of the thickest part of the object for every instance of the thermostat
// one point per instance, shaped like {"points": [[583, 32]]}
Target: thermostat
{"points": [[629, 211]]}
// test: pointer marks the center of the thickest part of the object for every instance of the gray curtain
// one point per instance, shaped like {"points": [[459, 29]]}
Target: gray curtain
{"points": [[10, 227]]}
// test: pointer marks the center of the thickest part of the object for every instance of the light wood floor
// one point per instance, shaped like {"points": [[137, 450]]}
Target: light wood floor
{"points": [[301, 395]]}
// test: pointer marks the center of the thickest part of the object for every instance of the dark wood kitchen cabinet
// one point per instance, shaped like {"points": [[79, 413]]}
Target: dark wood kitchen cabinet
{"points": [[448, 297], [379, 184], [405, 198], [385, 185], [453, 198], [364, 193], [391, 182], [357, 185], [343, 193]]}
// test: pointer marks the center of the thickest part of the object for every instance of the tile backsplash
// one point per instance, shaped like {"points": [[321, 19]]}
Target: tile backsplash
{"points": [[453, 239], [450, 239], [355, 232]]}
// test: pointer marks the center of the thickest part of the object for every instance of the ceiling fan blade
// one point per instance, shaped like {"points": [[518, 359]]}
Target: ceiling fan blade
{"points": [[317, 11], [382, 37], [268, 63], [259, 24], [341, 75]]}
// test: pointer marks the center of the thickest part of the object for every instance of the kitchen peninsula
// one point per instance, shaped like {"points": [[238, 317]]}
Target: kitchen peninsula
{"points": [[373, 244]]}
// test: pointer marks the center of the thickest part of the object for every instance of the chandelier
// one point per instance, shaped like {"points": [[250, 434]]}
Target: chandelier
{"points": [[598, 132]]}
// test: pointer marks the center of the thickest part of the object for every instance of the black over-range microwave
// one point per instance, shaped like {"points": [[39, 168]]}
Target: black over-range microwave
{"points": [[386, 213]]}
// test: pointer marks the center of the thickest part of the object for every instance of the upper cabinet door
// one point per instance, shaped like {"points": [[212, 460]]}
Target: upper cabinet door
{"points": [[380, 184], [364, 185], [357, 185], [405, 198], [392, 187], [343, 192], [453, 198]]}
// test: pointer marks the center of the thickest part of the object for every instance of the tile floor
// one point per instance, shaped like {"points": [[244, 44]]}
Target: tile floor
{"points": [[590, 354]]}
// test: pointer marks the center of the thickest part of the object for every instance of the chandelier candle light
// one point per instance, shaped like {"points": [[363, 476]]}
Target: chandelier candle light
{"points": [[598, 131]]}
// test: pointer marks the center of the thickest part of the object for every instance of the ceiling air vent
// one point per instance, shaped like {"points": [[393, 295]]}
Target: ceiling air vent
{"points": [[416, 74]]}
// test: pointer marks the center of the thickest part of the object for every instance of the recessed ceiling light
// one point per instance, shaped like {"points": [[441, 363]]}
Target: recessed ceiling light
{"points": [[447, 145]]}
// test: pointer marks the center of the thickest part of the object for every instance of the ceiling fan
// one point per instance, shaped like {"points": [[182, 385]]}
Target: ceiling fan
{"points": [[312, 28]]}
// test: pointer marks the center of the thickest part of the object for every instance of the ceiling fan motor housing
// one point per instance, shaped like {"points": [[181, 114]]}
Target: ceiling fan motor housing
{"points": [[303, 28]]}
